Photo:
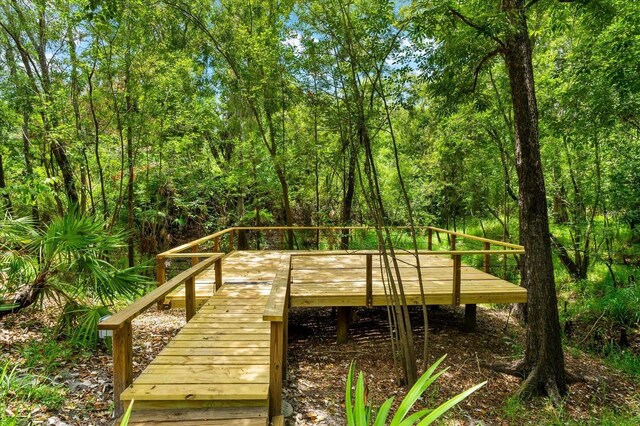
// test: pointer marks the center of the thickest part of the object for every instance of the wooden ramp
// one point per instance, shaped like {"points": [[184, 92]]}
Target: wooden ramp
{"points": [[238, 267], [215, 371]]}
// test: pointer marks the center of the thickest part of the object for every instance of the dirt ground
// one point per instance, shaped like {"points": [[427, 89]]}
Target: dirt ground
{"points": [[318, 369]]}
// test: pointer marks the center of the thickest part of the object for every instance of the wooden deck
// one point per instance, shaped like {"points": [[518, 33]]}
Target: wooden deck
{"points": [[219, 368], [340, 280]]}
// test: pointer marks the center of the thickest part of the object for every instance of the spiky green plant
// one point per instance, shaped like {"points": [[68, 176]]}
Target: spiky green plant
{"points": [[361, 413], [66, 261], [127, 414]]}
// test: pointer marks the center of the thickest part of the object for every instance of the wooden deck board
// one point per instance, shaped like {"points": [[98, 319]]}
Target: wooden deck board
{"points": [[243, 416]]}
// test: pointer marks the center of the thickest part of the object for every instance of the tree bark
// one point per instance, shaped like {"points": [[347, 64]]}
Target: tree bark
{"points": [[544, 359], [3, 187]]}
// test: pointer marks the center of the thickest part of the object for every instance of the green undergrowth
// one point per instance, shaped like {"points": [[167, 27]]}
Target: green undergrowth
{"points": [[46, 355], [600, 295], [21, 391], [622, 359], [516, 411]]}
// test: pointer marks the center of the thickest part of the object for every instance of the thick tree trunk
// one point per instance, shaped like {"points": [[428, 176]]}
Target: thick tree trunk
{"points": [[58, 148], [544, 360], [3, 187], [287, 205]]}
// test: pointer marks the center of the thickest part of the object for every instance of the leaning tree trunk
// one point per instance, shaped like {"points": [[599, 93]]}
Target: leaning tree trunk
{"points": [[544, 361]]}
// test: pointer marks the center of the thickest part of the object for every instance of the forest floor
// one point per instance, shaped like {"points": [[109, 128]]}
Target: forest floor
{"points": [[78, 384]]}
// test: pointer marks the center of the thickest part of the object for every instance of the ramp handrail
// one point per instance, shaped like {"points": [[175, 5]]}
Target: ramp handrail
{"points": [[120, 322]]}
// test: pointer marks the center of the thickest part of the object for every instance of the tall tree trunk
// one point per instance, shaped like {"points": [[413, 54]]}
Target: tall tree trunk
{"points": [[75, 89], [3, 188], [347, 202], [316, 161], [58, 148], [130, 160], [544, 360], [96, 150]]}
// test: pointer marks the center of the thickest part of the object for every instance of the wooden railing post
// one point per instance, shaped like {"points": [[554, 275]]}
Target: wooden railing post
{"points": [[453, 243], [275, 373], [190, 297], [195, 259], [281, 239], [430, 239], [216, 244], [232, 234], [218, 272], [487, 258], [330, 238], [285, 334], [276, 311], [161, 277], [122, 363], [369, 281], [457, 263]]}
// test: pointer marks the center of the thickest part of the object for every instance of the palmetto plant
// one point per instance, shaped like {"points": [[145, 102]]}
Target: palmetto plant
{"points": [[67, 261], [361, 413]]}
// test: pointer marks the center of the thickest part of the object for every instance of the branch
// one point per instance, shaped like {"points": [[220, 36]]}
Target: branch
{"points": [[483, 61], [481, 29]]}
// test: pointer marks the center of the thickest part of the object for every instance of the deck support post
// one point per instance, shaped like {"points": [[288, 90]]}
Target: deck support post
{"points": [[161, 277], [190, 297], [216, 244], [122, 363], [470, 317], [457, 279], [275, 372], [486, 263], [344, 319], [430, 239], [369, 280], [218, 271]]}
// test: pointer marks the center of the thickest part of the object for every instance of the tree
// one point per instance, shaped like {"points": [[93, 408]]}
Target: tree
{"points": [[504, 32]]}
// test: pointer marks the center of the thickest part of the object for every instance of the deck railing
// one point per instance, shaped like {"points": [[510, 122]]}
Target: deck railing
{"points": [[456, 255], [276, 310], [120, 322], [225, 241]]}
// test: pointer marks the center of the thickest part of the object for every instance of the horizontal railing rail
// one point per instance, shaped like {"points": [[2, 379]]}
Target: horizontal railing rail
{"points": [[120, 322], [233, 230]]}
